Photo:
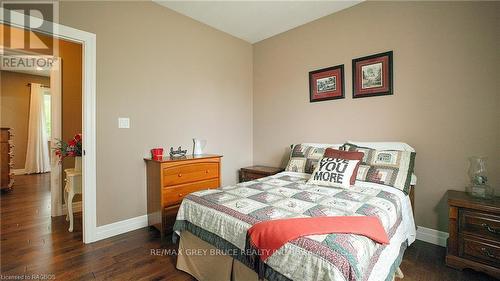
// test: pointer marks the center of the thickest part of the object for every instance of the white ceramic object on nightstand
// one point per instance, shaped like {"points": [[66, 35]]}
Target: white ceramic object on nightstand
{"points": [[73, 186], [198, 146]]}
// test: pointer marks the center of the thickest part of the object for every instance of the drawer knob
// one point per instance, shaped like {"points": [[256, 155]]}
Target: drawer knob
{"points": [[179, 175], [490, 229], [180, 194], [488, 254]]}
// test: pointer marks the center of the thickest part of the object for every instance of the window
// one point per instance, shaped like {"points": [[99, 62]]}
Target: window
{"points": [[46, 108]]}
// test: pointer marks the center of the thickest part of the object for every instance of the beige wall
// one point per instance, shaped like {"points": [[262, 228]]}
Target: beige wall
{"points": [[176, 79], [15, 107], [446, 101]]}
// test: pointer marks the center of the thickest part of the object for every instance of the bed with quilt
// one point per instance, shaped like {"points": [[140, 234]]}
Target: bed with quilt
{"points": [[213, 224]]}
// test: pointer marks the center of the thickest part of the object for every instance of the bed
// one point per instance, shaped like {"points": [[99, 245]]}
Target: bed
{"points": [[212, 227]]}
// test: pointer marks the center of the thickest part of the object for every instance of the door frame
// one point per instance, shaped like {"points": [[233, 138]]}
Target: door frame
{"points": [[56, 172], [88, 42]]}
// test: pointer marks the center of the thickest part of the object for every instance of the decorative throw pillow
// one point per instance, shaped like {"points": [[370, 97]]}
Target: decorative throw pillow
{"points": [[387, 167], [304, 158], [334, 172], [349, 155]]}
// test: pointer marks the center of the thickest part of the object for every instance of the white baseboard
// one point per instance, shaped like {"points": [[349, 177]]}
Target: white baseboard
{"points": [[116, 228], [18, 172], [425, 234], [432, 236]]}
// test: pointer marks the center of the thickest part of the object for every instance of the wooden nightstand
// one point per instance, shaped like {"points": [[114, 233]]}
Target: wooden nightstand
{"points": [[257, 172], [474, 233]]}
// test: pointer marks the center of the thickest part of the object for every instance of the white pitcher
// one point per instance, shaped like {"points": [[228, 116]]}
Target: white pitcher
{"points": [[198, 146]]}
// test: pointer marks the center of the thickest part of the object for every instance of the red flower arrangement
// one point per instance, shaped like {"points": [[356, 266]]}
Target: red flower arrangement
{"points": [[72, 148]]}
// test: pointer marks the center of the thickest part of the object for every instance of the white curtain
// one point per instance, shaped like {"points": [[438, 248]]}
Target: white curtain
{"points": [[37, 152]]}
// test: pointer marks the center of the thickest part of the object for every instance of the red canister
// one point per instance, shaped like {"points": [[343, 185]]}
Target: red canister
{"points": [[157, 153]]}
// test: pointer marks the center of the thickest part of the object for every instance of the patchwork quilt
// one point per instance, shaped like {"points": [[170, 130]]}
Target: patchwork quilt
{"points": [[222, 217]]}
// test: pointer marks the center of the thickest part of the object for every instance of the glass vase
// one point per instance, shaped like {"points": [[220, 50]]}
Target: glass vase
{"points": [[477, 170], [477, 174], [481, 191]]}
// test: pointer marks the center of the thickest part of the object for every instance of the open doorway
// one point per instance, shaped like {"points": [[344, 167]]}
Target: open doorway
{"points": [[87, 41], [42, 108]]}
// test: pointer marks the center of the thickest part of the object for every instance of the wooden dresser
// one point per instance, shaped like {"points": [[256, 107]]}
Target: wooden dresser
{"points": [[257, 172], [170, 180], [474, 233], [7, 162]]}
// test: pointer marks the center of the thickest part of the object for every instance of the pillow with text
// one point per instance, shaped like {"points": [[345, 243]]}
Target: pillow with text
{"points": [[334, 172]]}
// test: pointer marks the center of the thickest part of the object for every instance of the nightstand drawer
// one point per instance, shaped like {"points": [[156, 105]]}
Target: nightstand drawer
{"points": [[257, 172], [479, 224], [247, 176], [483, 251], [173, 195]]}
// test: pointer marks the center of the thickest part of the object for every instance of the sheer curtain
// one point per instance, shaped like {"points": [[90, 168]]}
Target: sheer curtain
{"points": [[37, 151]]}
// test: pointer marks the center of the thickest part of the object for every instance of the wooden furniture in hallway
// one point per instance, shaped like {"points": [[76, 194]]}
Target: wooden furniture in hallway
{"points": [[73, 186], [257, 172], [474, 233], [170, 180], [7, 160]]}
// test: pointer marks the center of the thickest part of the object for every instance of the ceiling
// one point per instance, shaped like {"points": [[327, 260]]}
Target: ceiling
{"points": [[254, 21]]}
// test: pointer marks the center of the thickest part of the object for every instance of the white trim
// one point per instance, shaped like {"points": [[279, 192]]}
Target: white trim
{"points": [[88, 41], [432, 236], [77, 207], [56, 183], [120, 227], [19, 172]]}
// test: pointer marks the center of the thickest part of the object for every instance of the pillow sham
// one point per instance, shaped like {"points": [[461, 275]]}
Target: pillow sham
{"points": [[304, 158], [388, 167], [383, 145], [333, 172], [349, 155]]}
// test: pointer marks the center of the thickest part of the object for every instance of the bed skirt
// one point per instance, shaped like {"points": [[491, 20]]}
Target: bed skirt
{"points": [[206, 263]]}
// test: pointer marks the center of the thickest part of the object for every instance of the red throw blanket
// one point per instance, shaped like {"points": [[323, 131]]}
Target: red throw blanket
{"points": [[268, 236]]}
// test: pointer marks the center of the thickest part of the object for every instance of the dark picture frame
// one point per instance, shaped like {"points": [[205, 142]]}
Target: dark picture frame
{"points": [[326, 84], [372, 75]]}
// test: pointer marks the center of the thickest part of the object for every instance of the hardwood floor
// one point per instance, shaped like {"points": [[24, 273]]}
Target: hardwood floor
{"points": [[41, 248]]}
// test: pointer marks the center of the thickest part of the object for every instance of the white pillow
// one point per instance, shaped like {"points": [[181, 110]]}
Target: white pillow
{"points": [[333, 172], [401, 146], [324, 145], [383, 145]]}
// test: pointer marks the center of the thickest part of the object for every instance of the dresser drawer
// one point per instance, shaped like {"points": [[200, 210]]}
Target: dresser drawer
{"points": [[5, 135], [173, 195], [189, 173], [169, 216], [481, 250], [480, 224]]}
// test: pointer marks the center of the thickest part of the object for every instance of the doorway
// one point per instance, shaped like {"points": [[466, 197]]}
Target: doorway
{"points": [[43, 122], [87, 42]]}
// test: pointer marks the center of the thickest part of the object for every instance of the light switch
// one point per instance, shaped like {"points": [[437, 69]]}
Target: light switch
{"points": [[123, 122]]}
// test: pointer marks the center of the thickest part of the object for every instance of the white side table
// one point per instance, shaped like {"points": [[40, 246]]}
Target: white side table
{"points": [[73, 186]]}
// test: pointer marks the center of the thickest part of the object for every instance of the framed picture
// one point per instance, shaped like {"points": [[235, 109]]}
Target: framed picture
{"points": [[326, 84], [372, 75]]}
